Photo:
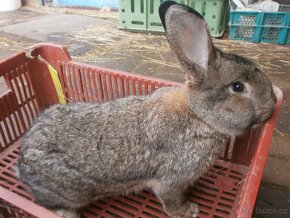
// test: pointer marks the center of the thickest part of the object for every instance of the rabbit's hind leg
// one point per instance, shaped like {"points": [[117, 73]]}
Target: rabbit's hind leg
{"points": [[54, 200]]}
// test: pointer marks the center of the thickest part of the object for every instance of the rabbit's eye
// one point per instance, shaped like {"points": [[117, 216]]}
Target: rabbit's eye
{"points": [[238, 86]]}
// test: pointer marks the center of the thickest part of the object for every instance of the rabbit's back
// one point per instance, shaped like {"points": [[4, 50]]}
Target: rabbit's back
{"points": [[82, 130], [82, 149]]}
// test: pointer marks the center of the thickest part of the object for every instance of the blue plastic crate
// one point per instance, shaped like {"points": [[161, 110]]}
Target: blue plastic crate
{"points": [[270, 27]]}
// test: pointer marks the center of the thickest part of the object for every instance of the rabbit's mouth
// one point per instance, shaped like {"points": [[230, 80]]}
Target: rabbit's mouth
{"points": [[263, 115]]}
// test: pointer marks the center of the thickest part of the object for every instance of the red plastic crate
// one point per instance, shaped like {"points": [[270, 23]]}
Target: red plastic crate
{"points": [[228, 189]]}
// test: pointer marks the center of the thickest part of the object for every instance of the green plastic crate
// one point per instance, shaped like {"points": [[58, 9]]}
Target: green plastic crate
{"points": [[142, 15]]}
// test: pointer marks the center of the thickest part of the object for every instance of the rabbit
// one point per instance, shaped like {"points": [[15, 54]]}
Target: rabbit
{"points": [[80, 152]]}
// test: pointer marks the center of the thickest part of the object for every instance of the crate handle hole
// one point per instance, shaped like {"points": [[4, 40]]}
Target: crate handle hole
{"points": [[138, 22], [155, 24], [3, 86]]}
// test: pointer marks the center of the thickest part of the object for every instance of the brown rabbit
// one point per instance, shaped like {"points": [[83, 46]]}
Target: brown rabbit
{"points": [[77, 153]]}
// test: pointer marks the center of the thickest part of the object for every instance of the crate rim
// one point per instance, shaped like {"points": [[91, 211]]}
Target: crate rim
{"points": [[258, 12], [32, 52]]}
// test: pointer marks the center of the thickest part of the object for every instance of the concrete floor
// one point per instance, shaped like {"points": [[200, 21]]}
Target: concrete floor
{"points": [[92, 37]]}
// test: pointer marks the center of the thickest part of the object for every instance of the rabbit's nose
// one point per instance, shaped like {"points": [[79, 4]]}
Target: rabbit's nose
{"points": [[274, 97]]}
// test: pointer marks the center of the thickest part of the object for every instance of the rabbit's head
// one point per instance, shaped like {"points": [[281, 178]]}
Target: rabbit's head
{"points": [[228, 92]]}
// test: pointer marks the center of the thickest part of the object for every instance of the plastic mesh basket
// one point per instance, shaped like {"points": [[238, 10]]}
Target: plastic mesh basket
{"points": [[142, 15], [260, 26], [228, 189]]}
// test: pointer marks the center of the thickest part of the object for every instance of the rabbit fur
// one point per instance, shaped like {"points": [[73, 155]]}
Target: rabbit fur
{"points": [[80, 152]]}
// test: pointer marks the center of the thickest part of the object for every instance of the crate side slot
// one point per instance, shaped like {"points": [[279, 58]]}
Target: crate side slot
{"points": [[19, 105]]}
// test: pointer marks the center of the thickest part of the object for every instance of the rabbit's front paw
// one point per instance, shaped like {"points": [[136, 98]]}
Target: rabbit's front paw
{"points": [[193, 210], [67, 213], [188, 210]]}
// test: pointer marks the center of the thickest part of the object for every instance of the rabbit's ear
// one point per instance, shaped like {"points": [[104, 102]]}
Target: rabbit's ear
{"points": [[189, 38]]}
